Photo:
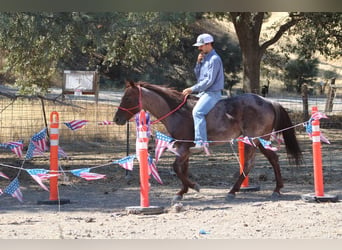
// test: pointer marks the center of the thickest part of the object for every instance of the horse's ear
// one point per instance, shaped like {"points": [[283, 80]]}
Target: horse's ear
{"points": [[129, 83]]}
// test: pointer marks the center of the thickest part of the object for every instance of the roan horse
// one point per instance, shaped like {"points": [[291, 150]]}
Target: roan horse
{"points": [[244, 115]]}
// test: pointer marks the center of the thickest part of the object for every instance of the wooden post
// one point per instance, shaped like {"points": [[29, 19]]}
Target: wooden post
{"points": [[305, 102], [331, 95]]}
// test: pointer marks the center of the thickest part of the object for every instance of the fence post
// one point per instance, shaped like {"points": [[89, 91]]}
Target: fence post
{"points": [[317, 166], [331, 95]]}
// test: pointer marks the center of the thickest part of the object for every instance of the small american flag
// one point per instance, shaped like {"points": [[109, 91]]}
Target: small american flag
{"points": [[15, 146], [37, 175], [163, 142], [139, 126], [92, 176], [245, 140], [154, 170], [14, 189], [76, 124], [318, 115], [267, 144], [126, 162], [84, 173], [308, 129], [3, 175], [61, 153], [39, 140], [105, 122], [37, 145], [277, 137]]}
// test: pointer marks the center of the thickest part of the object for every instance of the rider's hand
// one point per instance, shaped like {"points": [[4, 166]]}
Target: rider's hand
{"points": [[187, 91], [200, 57]]}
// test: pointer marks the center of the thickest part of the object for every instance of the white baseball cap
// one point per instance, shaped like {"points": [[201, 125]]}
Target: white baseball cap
{"points": [[203, 39]]}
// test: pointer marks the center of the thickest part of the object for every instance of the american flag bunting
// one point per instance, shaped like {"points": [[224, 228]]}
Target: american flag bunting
{"points": [[318, 115], [105, 122], [308, 129], [148, 123], [37, 145], [3, 175], [85, 174], [38, 176], [126, 162], [14, 189], [15, 146], [154, 170], [267, 144], [163, 142], [245, 140], [76, 124], [61, 154]]}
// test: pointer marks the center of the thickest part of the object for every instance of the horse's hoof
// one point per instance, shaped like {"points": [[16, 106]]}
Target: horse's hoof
{"points": [[176, 199], [197, 187], [230, 197], [275, 195]]}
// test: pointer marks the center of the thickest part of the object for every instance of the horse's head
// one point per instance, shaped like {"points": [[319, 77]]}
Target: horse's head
{"points": [[129, 105]]}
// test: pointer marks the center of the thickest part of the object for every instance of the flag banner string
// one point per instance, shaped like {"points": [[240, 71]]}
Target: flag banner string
{"points": [[38, 146]]}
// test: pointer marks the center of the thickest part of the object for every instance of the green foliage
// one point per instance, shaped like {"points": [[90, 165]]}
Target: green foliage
{"points": [[32, 49], [152, 46], [40, 44], [319, 31], [329, 74], [300, 71]]}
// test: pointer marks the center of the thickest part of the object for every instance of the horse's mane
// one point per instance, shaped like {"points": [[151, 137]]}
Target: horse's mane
{"points": [[172, 96]]}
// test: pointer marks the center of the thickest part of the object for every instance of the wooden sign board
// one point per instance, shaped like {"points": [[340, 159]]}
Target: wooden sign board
{"points": [[80, 82]]}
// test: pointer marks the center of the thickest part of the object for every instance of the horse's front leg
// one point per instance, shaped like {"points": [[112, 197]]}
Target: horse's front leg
{"points": [[181, 168], [249, 163]]}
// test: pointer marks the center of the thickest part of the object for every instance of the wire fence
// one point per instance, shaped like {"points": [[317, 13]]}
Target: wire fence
{"points": [[21, 118]]}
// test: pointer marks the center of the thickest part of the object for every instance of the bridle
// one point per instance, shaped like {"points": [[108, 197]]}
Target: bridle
{"points": [[128, 110], [140, 107]]}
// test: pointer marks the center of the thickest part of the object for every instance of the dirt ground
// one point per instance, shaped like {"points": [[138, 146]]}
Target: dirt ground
{"points": [[98, 209]]}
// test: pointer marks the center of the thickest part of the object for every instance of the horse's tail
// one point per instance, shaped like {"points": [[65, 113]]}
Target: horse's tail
{"points": [[284, 125]]}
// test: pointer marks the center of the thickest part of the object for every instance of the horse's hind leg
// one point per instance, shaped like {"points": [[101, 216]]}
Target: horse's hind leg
{"points": [[249, 163], [274, 160]]}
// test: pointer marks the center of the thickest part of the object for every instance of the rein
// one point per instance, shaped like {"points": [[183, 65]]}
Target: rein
{"points": [[140, 107], [172, 111]]}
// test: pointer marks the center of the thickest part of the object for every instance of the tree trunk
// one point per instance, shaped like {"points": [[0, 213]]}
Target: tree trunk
{"points": [[251, 73], [248, 26]]}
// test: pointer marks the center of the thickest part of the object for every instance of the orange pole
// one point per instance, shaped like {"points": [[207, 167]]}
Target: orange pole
{"points": [[54, 138], [317, 156], [143, 160], [241, 147]]}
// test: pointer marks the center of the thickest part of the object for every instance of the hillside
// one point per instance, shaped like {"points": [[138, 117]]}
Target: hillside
{"points": [[221, 28]]}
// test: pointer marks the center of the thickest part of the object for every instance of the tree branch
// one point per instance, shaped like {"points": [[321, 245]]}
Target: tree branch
{"points": [[282, 29]]}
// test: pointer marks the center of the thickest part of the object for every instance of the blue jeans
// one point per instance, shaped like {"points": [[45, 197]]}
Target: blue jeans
{"points": [[205, 103]]}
